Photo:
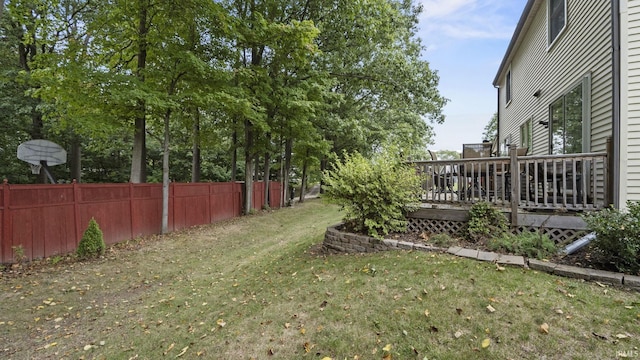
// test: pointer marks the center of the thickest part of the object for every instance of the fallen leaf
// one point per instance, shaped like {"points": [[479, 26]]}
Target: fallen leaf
{"points": [[221, 323], [87, 347], [459, 311], [303, 331], [485, 343], [426, 313], [387, 348], [622, 336], [458, 334], [308, 347], [287, 325], [168, 349], [327, 358], [558, 311], [490, 309], [500, 268], [544, 328], [182, 352]]}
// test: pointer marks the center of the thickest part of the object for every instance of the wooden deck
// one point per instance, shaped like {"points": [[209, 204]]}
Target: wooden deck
{"points": [[550, 183]]}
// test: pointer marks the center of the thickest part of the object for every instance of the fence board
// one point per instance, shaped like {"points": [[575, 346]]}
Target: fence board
{"points": [[48, 220], [258, 195], [225, 201], [274, 194], [191, 205]]}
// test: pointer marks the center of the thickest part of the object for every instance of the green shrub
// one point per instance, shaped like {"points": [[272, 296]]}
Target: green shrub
{"points": [[443, 240], [18, 254], [617, 236], [92, 242], [529, 244], [376, 193], [485, 222]]}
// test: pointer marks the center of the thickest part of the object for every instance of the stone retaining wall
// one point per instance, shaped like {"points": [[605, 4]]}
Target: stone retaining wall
{"points": [[337, 241]]}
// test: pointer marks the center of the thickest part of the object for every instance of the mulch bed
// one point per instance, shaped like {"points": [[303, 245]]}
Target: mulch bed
{"points": [[584, 258]]}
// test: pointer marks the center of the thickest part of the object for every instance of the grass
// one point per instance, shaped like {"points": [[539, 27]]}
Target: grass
{"points": [[253, 288]]}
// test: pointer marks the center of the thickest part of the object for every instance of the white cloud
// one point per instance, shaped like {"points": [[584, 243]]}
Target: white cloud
{"points": [[468, 19], [441, 8]]}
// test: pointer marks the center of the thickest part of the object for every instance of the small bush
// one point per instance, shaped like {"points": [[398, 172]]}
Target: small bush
{"points": [[92, 242], [18, 254], [617, 236], [442, 240], [485, 222], [376, 193], [529, 244]]}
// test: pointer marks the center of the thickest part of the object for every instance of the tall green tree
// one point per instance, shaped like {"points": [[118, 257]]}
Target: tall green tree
{"points": [[491, 129]]}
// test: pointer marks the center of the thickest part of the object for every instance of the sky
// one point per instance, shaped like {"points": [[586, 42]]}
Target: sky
{"points": [[465, 42]]}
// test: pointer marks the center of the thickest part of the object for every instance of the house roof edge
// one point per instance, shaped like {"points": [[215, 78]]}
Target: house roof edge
{"points": [[523, 24]]}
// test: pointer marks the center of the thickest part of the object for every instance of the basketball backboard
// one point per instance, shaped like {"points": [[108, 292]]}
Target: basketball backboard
{"points": [[39, 150], [42, 153]]}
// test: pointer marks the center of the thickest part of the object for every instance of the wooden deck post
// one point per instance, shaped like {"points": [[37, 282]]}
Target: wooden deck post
{"points": [[515, 184]]}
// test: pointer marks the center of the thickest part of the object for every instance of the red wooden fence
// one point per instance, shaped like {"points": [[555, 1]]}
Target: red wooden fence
{"points": [[49, 220]]}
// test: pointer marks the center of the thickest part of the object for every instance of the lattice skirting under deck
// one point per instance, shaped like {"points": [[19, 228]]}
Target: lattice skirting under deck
{"points": [[456, 229]]}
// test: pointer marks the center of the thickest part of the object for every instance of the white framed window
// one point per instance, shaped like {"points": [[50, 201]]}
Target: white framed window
{"points": [[570, 120], [556, 19], [508, 87], [526, 135]]}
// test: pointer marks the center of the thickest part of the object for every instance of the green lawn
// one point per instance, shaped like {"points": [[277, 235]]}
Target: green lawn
{"points": [[253, 288]]}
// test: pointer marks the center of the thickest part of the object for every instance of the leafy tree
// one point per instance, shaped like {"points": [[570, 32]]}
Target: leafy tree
{"points": [[448, 155], [491, 129]]}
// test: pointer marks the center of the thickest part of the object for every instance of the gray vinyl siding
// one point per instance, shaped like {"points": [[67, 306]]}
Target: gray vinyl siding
{"points": [[630, 119], [583, 48]]}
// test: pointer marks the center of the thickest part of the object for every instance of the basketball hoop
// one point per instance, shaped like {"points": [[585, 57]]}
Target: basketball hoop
{"points": [[35, 168]]}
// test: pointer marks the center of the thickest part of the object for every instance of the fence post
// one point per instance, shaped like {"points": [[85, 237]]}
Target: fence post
{"points": [[5, 245], [515, 184], [76, 213], [132, 219]]}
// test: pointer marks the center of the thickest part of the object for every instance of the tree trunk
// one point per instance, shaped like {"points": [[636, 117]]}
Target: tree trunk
{"points": [[234, 153], [139, 153], [196, 160], [165, 174], [303, 181], [288, 146], [76, 159], [248, 167], [323, 167], [267, 170]]}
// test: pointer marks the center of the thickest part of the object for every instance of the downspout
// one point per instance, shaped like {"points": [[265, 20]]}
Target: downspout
{"points": [[498, 121], [615, 5]]}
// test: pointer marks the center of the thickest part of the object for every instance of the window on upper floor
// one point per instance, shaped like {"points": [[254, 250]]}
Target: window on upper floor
{"points": [[526, 138], [508, 87], [556, 18]]}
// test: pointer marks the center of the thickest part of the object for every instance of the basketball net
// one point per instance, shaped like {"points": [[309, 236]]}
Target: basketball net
{"points": [[35, 168]]}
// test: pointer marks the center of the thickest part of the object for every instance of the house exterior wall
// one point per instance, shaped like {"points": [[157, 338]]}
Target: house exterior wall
{"points": [[630, 101], [582, 49]]}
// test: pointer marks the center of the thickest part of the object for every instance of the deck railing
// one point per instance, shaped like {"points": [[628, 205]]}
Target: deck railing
{"points": [[574, 182]]}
